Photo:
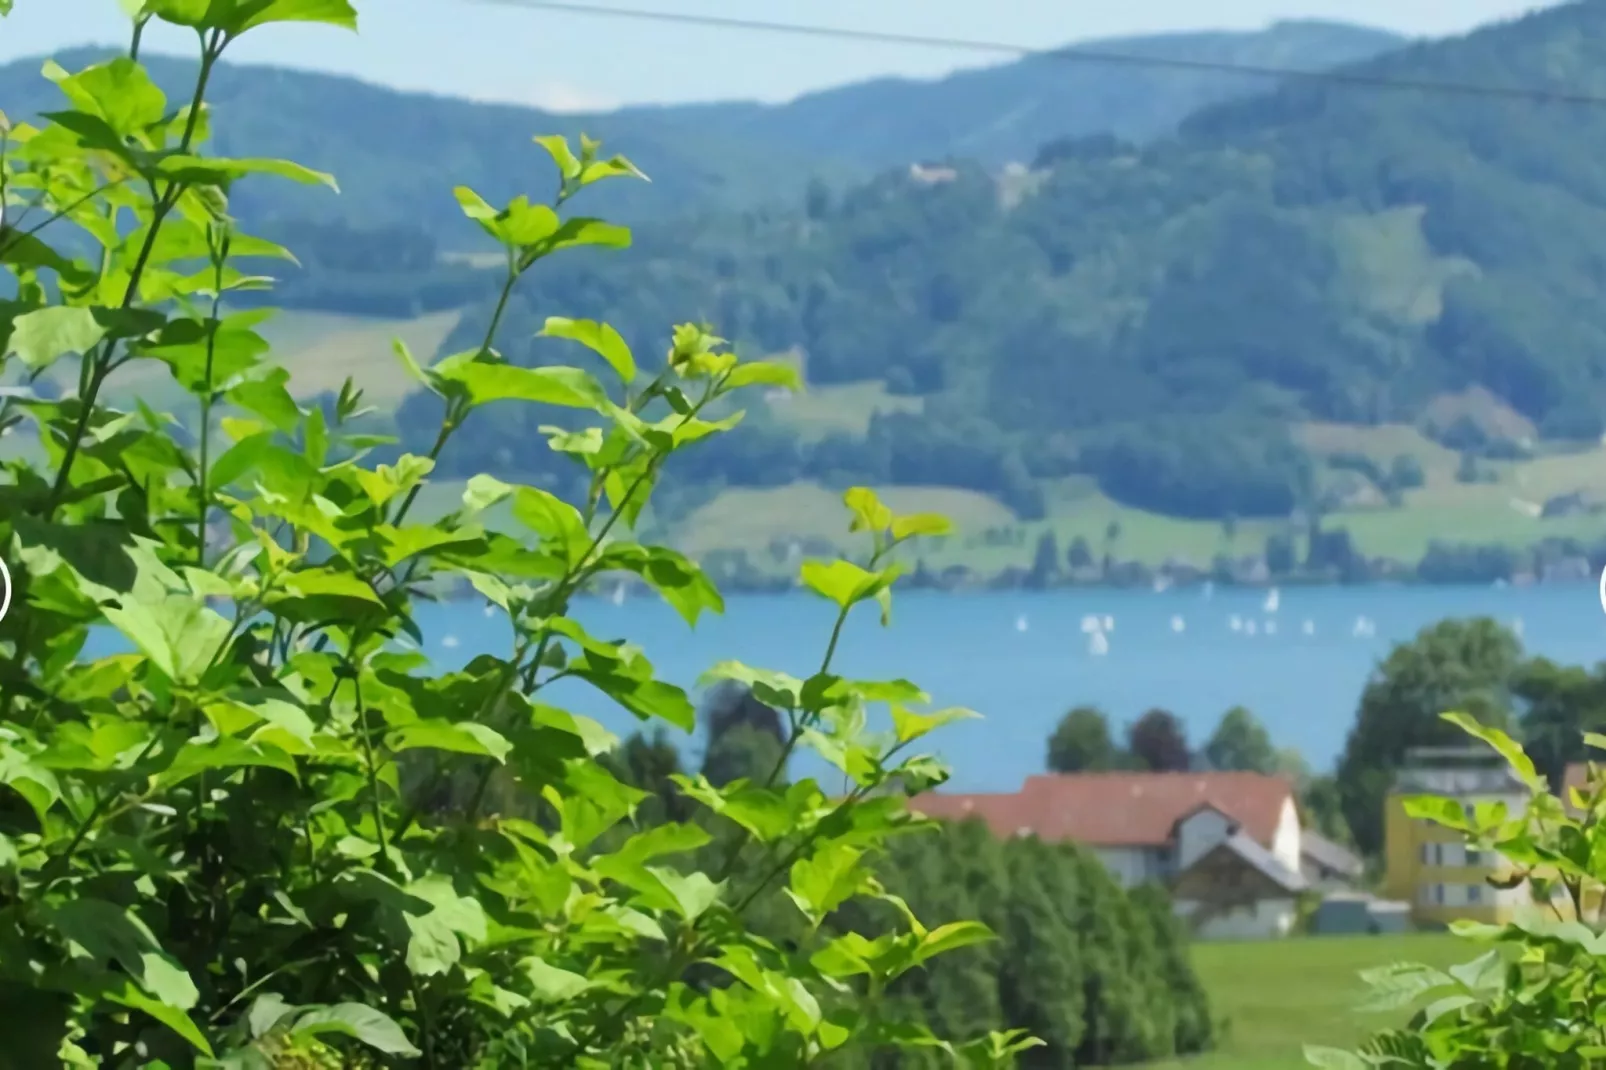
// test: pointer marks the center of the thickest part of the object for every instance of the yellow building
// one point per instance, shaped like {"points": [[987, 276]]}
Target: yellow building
{"points": [[1433, 868]]}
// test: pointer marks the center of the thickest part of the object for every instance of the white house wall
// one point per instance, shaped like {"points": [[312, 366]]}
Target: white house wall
{"points": [[1198, 833], [1285, 842], [1131, 866]]}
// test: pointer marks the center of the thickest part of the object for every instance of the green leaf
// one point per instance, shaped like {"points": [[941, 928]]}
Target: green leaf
{"points": [[239, 460], [521, 225], [580, 232], [600, 338], [235, 17], [268, 398], [1438, 809], [215, 170], [120, 92], [646, 699], [465, 737], [108, 933], [772, 688], [910, 726], [329, 583], [179, 633], [823, 882], [267, 1011], [676, 578], [387, 481], [37, 785], [952, 937], [551, 984], [206, 355], [360, 1022], [1334, 1058], [868, 512], [557, 147], [127, 995], [41, 338], [554, 520], [225, 753], [916, 525], [763, 373], [1508, 748], [845, 583], [693, 892], [567, 387]]}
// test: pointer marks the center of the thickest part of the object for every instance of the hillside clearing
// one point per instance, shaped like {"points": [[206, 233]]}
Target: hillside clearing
{"points": [[754, 519], [845, 408], [321, 349]]}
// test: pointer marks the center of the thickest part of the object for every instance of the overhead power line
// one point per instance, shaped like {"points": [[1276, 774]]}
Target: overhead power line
{"points": [[1069, 54]]}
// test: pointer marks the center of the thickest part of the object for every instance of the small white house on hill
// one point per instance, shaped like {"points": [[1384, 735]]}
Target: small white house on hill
{"points": [[1229, 845]]}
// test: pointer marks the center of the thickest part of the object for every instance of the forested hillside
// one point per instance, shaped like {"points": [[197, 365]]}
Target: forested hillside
{"points": [[1004, 112], [396, 152], [1160, 316], [1327, 299]]}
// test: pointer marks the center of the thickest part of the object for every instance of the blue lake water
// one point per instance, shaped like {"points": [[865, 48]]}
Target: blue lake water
{"points": [[969, 650]]}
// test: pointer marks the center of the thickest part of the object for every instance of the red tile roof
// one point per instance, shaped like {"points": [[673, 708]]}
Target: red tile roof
{"points": [[1119, 809]]}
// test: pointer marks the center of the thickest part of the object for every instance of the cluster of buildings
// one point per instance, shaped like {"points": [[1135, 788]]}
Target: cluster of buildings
{"points": [[1241, 862]]}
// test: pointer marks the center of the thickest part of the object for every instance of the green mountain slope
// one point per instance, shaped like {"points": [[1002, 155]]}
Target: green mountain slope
{"points": [[1162, 318], [398, 154], [1008, 111]]}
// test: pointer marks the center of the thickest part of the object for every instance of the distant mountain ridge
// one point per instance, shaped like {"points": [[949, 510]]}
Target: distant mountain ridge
{"points": [[1162, 317], [1005, 112], [397, 155]]}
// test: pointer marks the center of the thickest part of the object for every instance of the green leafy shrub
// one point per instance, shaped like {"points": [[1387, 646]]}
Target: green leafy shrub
{"points": [[262, 831], [1536, 998]]}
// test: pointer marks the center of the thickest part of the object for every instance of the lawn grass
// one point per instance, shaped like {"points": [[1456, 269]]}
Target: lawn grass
{"points": [[1276, 996]]}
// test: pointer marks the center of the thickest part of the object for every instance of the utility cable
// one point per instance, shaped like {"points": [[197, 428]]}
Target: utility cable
{"points": [[1068, 54]]}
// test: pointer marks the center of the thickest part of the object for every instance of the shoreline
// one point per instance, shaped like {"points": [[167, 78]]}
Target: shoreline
{"points": [[779, 587]]}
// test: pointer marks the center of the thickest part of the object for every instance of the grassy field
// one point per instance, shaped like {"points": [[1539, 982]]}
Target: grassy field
{"points": [[751, 519], [320, 348], [1442, 509], [847, 408], [1279, 995]]}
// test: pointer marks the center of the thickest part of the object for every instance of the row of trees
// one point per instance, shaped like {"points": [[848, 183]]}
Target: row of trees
{"points": [[1477, 666], [1157, 741], [1099, 974]]}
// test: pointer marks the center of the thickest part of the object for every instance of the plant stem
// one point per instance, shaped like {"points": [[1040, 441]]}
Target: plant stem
{"points": [[792, 738], [373, 767], [453, 419], [202, 491], [102, 363]]}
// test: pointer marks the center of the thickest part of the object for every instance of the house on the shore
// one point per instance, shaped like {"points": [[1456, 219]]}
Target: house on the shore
{"points": [[1229, 845]]}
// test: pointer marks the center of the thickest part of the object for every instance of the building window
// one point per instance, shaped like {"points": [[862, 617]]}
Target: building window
{"points": [[1474, 857], [1474, 893], [1438, 894], [1427, 854]]}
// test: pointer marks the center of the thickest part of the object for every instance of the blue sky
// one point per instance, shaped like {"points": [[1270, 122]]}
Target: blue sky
{"points": [[496, 51]]}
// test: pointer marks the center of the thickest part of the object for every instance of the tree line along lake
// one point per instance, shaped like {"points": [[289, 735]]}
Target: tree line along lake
{"points": [[1298, 660]]}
